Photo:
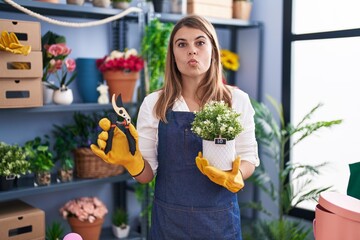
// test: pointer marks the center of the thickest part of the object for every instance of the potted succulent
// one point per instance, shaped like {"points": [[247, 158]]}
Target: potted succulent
{"points": [[218, 125], [85, 216], [120, 225], [13, 164], [41, 160], [121, 71], [121, 4]]}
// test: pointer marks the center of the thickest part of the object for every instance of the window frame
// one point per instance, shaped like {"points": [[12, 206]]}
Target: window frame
{"points": [[288, 39]]}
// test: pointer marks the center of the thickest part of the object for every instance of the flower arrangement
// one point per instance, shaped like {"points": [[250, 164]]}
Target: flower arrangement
{"points": [[229, 60], [13, 160], [59, 65], [127, 61], [84, 208], [216, 120]]}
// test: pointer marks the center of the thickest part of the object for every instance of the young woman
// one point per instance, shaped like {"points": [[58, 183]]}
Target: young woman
{"points": [[192, 199]]}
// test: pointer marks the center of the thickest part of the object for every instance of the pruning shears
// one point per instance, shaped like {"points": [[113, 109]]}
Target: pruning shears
{"points": [[119, 109]]}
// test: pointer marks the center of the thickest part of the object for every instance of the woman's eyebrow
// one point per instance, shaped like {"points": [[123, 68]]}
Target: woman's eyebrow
{"points": [[183, 39]]}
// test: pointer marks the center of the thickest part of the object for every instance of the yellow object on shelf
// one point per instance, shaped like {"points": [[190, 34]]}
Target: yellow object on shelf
{"points": [[10, 43]]}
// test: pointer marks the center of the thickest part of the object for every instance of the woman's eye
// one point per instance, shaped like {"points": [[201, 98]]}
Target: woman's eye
{"points": [[200, 43], [181, 44]]}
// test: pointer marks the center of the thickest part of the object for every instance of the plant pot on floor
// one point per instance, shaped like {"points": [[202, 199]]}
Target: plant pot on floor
{"points": [[220, 154]]}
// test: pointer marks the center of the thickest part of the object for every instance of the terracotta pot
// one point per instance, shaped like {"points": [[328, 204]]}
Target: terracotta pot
{"points": [[242, 10], [87, 230], [121, 82]]}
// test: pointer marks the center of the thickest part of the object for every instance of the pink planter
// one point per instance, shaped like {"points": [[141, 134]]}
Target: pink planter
{"points": [[337, 216]]}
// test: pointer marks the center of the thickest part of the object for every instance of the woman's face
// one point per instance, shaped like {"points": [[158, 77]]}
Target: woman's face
{"points": [[192, 51]]}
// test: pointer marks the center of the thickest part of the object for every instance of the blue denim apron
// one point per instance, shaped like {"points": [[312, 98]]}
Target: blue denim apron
{"points": [[187, 205]]}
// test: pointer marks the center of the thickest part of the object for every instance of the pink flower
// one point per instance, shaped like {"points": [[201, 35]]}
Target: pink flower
{"points": [[70, 64], [85, 209], [58, 50]]}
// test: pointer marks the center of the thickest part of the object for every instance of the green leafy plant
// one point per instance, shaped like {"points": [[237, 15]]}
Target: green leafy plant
{"points": [[63, 145], [216, 119], [39, 155], [13, 160], [54, 231], [153, 49], [274, 140], [120, 218]]}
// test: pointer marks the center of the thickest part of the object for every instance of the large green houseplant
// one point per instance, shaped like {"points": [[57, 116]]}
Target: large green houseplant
{"points": [[276, 142], [153, 50]]}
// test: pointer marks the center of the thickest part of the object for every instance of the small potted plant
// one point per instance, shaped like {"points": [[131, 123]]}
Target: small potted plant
{"points": [[120, 225], [218, 125], [85, 216], [41, 160], [54, 231], [121, 71], [13, 164], [121, 4]]}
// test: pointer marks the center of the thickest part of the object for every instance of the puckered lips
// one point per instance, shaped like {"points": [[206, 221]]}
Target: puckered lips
{"points": [[192, 62]]}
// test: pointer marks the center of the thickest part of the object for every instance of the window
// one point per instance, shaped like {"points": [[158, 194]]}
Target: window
{"points": [[321, 61]]}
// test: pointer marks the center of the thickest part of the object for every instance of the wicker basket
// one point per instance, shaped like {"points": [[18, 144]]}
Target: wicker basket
{"points": [[88, 165]]}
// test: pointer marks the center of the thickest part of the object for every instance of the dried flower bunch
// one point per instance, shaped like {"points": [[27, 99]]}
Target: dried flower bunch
{"points": [[216, 119], [84, 208], [127, 61], [229, 60], [59, 66]]}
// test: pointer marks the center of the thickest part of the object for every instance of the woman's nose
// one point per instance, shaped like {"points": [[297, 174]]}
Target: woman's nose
{"points": [[192, 52]]}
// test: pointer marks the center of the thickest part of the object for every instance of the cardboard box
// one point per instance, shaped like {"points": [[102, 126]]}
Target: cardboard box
{"points": [[28, 33], [211, 8], [21, 93], [20, 221], [14, 65]]}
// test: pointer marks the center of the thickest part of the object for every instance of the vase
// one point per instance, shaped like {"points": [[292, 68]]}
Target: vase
{"points": [[42, 179], [220, 154], [88, 78], [120, 5], [120, 232], [47, 94], [7, 182], [63, 97], [242, 10], [121, 82], [87, 230]]}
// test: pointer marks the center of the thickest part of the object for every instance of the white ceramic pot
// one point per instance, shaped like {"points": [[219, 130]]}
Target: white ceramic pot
{"points": [[63, 97], [47, 94], [121, 232], [219, 155]]}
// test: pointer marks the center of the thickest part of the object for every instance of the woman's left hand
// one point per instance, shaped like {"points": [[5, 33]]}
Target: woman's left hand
{"points": [[231, 180]]}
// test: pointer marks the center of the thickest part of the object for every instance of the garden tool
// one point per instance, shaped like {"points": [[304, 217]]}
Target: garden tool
{"points": [[10, 43], [231, 180], [117, 144]]}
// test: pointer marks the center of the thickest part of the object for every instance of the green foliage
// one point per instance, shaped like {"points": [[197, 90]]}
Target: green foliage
{"points": [[277, 230], [120, 218], [63, 146], [39, 155], [153, 50], [277, 142], [13, 160], [55, 231]]}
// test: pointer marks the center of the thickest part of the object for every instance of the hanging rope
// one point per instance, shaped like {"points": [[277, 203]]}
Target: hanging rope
{"points": [[73, 24]]}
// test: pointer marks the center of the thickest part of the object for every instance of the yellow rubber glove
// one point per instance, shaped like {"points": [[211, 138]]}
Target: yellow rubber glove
{"points": [[231, 180], [119, 153], [10, 43]]}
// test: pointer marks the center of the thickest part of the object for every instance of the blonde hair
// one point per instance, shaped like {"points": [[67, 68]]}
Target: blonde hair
{"points": [[211, 87]]}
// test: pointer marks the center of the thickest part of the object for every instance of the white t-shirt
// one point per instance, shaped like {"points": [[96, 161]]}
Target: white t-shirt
{"points": [[147, 127]]}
